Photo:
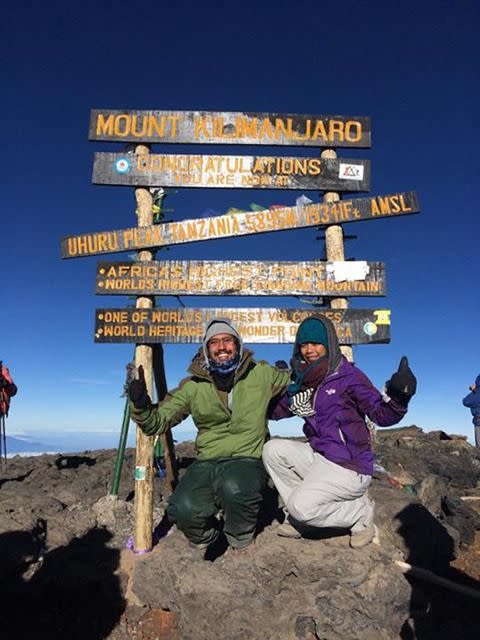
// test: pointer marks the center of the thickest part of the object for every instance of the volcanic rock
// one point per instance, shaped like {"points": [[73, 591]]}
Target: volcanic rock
{"points": [[64, 556]]}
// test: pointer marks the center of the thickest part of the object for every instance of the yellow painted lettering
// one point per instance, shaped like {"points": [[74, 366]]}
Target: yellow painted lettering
{"points": [[301, 166], [266, 130], [104, 127], [200, 127], [384, 205], [157, 125], [122, 125], [320, 131], [403, 204], [307, 134], [142, 132], [191, 230], [336, 131], [246, 127], [281, 130], [353, 131], [173, 126], [314, 166], [72, 248], [374, 207]]}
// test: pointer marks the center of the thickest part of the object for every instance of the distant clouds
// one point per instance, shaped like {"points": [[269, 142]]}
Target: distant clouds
{"points": [[92, 381]]}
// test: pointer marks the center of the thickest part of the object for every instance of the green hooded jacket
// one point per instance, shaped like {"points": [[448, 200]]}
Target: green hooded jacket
{"points": [[223, 432]]}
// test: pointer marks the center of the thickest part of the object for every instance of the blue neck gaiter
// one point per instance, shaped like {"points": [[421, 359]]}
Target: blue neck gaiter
{"points": [[226, 367]]}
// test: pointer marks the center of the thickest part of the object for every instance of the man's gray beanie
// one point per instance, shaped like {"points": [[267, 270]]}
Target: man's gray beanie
{"points": [[220, 325]]}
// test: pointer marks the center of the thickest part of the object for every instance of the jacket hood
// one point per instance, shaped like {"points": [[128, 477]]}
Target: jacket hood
{"points": [[221, 325], [334, 353]]}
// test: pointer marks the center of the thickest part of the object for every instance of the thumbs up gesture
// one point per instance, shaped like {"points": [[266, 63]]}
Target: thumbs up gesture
{"points": [[403, 384]]}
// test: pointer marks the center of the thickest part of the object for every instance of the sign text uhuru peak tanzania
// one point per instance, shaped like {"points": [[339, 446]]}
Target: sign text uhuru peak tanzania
{"points": [[229, 128], [242, 172], [240, 223]]}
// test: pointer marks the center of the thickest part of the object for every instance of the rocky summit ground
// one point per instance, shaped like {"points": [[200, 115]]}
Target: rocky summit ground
{"points": [[65, 570]]}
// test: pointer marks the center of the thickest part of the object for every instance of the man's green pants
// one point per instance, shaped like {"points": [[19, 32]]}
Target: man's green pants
{"points": [[233, 485]]}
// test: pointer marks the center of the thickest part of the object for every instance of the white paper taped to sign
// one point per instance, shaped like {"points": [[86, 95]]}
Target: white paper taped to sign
{"points": [[348, 270], [350, 171]]}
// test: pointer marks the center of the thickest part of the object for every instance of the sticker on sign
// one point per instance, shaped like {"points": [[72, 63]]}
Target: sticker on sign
{"points": [[350, 171], [122, 165]]}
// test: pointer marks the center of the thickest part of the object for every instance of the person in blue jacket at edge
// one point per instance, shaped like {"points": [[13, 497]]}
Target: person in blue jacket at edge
{"points": [[472, 401], [323, 482]]}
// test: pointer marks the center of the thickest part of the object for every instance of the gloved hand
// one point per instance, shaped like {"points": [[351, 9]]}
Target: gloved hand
{"points": [[301, 404], [137, 391], [403, 384]]}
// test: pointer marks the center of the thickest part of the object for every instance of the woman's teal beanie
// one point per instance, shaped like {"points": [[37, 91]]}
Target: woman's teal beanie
{"points": [[312, 330]]}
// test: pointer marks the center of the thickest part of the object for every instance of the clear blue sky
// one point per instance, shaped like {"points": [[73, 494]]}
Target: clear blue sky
{"points": [[412, 67]]}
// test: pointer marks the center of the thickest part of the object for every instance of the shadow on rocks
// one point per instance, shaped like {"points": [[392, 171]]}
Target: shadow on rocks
{"points": [[435, 611], [69, 592], [16, 479]]}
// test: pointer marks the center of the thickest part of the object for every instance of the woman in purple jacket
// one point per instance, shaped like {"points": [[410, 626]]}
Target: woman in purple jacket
{"points": [[323, 482]]}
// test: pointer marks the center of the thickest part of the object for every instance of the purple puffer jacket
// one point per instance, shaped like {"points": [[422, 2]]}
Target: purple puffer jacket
{"points": [[341, 402], [338, 430]]}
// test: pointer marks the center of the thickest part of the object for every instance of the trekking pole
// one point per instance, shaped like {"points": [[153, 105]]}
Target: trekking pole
{"points": [[3, 439], [159, 458], [117, 472]]}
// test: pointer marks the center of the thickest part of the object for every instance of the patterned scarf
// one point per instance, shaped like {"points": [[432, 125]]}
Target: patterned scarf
{"points": [[306, 376]]}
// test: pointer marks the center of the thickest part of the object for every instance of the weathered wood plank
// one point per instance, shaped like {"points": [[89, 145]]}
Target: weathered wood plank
{"points": [[240, 224], [237, 172], [207, 127], [241, 278], [262, 325]]}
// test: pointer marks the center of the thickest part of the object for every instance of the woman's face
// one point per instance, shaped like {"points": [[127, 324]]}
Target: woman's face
{"points": [[311, 351]]}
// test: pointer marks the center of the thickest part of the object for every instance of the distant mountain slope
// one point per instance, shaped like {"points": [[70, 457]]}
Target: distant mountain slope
{"points": [[27, 445]]}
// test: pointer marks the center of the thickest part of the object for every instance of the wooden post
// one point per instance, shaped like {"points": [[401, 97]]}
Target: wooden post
{"points": [[335, 250], [143, 356]]}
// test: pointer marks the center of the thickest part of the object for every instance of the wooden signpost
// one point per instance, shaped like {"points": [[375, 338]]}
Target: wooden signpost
{"points": [[213, 127], [146, 325], [238, 172], [241, 278], [240, 224], [257, 326]]}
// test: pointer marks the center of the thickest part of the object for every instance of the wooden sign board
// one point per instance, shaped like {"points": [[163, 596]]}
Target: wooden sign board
{"points": [[241, 278], [207, 127], [240, 224], [237, 172], [263, 325]]}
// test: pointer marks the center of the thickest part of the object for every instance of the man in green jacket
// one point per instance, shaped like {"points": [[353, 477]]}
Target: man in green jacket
{"points": [[227, 395]]}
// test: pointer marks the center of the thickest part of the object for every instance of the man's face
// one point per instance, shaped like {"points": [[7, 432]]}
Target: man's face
{"points": [[222, 347]]}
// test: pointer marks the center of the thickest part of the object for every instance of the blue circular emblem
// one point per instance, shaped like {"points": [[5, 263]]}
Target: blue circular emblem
{"points": [[370, 328], [122, 165]]}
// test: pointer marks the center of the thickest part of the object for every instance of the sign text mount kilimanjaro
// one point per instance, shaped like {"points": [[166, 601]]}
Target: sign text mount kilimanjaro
{"points": [[207, 127]]}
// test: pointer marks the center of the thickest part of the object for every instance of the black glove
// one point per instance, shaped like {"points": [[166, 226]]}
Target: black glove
{"points": [[403, 384], [137, 391]]}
